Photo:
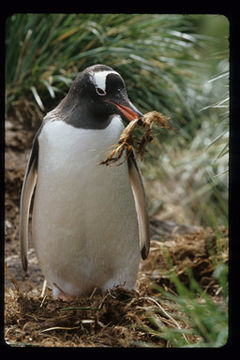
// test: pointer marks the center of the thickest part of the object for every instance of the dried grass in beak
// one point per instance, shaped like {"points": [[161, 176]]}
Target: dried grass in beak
{"points": [[127, 139]]}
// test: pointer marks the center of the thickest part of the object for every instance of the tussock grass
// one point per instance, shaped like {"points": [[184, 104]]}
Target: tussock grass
{"points": [[163, 61], [152, 52]]}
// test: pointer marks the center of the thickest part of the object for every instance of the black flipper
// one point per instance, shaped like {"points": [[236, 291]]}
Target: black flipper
{"points": [[29, 182], [140, 202]]}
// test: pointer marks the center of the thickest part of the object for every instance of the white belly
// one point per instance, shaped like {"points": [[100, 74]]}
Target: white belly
{"points": [[84, 220]]}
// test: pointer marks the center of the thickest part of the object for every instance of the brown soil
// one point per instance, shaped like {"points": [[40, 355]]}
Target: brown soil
{"points": [[119, 318]]}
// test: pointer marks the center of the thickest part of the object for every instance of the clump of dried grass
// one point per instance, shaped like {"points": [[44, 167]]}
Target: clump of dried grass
{"points": [[199, 251], [127, 139]]}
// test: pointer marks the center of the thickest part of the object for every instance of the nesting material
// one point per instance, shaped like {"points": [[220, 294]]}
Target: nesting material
{"points": [[119, 318], [127, 140]]}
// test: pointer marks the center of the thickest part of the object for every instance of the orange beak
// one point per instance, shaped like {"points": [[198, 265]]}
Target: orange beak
{"points": [[129, 113]]}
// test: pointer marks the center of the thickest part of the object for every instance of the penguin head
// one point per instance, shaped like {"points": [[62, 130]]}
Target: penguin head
{"points": [[101, 91]]}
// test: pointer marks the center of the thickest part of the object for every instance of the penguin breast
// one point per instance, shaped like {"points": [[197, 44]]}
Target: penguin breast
{"points": [[85, 227]]}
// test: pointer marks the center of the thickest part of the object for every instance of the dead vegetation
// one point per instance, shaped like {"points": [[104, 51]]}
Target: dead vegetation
{"points": [[119, 318], [127, 139]]}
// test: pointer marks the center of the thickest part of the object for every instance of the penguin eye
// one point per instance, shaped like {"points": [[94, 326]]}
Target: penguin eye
{"points": [[100, 91]]}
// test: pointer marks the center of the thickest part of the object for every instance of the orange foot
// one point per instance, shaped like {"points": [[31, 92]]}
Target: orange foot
{"points": [[60, 294], [65, 297]]}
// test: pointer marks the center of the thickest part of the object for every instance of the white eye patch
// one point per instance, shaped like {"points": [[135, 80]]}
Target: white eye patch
{"points": [[99, 80]]}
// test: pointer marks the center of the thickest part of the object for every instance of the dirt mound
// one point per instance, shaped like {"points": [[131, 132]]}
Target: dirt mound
{"points": [[118, 318], [97, 321]]}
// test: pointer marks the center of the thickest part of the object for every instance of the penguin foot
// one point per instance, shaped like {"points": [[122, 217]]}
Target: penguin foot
{"points": [[60, 294], [65, 297]]}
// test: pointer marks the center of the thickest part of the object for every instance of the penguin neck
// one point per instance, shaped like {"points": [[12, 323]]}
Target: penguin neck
{"points": [[81, 115]]}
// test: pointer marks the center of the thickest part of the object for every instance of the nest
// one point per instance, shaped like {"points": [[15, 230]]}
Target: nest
{"points": [[119, 318], [127, 139]]}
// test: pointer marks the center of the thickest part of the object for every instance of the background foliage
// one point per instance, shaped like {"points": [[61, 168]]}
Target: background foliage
{"points": [[176, 64]]}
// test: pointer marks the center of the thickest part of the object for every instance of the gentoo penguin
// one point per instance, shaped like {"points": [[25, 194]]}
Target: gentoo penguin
{"points": [[89, 221]]}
